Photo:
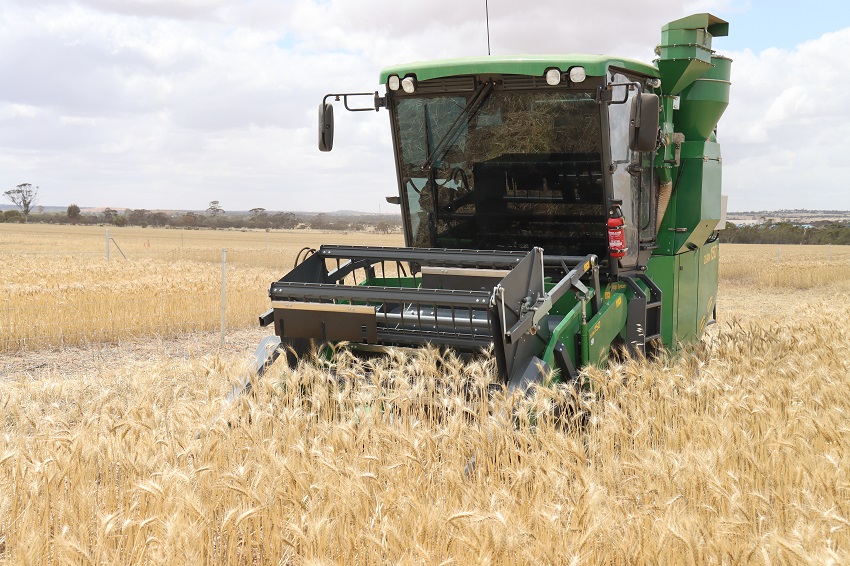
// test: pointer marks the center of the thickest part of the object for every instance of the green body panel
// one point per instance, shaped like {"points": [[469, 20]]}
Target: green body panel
{"points": [[566, 333], [682, 65], [686, 50], [688, 284], [565, 304], [530, 65], [712, 24], [694, 209], [709, 271], [704, 101], [688, 291], [590, 343], [603, 328]]}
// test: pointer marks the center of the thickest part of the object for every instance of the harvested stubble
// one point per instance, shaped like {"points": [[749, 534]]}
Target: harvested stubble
{"points": [[736, 453]]}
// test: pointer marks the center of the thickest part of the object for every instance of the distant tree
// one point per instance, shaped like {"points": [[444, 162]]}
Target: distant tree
{"points": [[13, 216], [257, 211], [109, 214], [138, 217], [159, 219], [320, 222], [23, 196], [191, 219], [73, 213], [383, 227], [284, 220], [214, 208], [119, 220]]}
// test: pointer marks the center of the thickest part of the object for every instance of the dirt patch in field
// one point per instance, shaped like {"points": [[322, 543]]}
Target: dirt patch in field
{"points": [[79, 361]]}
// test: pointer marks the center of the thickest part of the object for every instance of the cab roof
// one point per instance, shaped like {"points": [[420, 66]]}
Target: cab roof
{"points": [[530, 65]]}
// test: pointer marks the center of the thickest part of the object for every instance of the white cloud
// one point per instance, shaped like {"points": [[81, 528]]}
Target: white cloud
{"points": [[172, 104], [783, 134]]}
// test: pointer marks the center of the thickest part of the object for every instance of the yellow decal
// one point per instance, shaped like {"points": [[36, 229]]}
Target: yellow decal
{"points": [[619, 301], [607, 295], [710, 255], [587, 266], [596, 328]]}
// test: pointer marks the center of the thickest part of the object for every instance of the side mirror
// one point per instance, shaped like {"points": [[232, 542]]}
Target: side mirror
{"points": [[326, 126], [643, 122]]}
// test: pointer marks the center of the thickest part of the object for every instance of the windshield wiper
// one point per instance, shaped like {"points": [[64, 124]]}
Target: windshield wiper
{"points": [[435, 156]]}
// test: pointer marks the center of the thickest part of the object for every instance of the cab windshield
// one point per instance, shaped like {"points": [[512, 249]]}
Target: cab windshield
{"points": [[509, 170]]}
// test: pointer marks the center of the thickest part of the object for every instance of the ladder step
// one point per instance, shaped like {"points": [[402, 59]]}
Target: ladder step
{"points": [[653, 305]]}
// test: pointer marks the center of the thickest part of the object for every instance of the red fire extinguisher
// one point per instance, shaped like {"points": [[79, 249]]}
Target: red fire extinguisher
{"points": [[616, 233]]}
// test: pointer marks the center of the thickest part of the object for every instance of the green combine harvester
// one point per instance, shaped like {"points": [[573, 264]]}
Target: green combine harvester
{"points": [[558, 207]]}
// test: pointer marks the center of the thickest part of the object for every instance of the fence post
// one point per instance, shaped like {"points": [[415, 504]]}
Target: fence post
{"points": [[223, 292], [107, 244]]}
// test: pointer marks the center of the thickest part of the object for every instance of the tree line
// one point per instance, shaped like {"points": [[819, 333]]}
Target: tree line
{"points": [[25, 196], [835, 233], [255, 219]]}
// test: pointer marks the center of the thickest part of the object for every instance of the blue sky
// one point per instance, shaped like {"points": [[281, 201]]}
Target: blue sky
{"points": [[174, 103], [761, 24]]}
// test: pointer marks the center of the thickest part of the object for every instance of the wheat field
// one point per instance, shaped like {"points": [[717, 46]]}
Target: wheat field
{"points": [[734, 452], [58, 289]]}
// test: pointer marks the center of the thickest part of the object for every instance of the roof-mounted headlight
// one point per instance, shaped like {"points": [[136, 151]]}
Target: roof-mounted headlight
{"points": [[408, 84], [553, 77], [577, 74], [654, 82], [393, 82]]}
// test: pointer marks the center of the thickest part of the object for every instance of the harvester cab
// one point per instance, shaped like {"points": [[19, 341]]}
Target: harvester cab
{"points": [[556, 207]]}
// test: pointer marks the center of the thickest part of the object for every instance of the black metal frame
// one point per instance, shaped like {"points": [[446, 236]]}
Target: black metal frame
{"points": [[497, 83], [643, 323], [316, 302], [378, 101]]}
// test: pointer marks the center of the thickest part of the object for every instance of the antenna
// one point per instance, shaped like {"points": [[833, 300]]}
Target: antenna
{"points": [[487, 15]]}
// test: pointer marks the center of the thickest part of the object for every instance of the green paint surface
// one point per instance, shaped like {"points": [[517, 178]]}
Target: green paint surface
{"points": [[530, 65], [694, 209], [603, 328]]}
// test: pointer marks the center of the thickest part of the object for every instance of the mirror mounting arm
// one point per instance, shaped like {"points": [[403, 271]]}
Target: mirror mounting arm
{"points": [[326, 114], [606, 93], [377, 101]]}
